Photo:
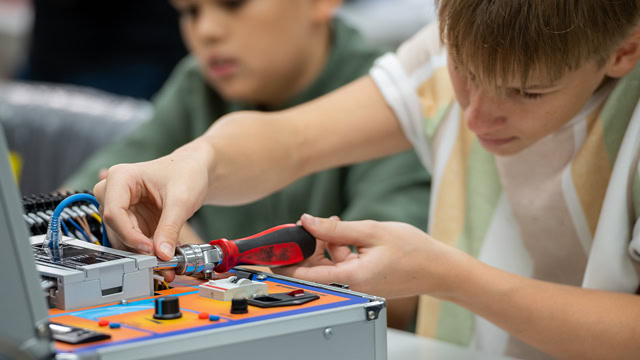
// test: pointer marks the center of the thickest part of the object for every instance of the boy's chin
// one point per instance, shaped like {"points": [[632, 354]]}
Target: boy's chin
{"points": [[506, 150], [234, 92]]}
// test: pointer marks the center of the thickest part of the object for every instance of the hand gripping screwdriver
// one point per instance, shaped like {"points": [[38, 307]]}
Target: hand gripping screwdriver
{"points": [[281, 245]]}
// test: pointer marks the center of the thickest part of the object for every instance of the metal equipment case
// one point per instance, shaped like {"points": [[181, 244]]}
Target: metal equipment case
{"points": [[341, 324]]}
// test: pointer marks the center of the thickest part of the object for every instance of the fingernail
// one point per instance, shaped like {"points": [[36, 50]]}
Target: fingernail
{"points": [[144, 248], [311, 220], [167, 249]]}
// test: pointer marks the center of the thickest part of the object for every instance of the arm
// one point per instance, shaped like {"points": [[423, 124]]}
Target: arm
{"points": [[243, 157], [564, 321], [349, 125]]}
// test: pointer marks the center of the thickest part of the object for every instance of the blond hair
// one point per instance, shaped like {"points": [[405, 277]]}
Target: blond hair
{"points": [[503, 40]]}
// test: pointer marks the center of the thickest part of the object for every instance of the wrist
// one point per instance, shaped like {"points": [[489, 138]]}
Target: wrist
{"points": [[473, 284], [202, 153], [454, 274]]}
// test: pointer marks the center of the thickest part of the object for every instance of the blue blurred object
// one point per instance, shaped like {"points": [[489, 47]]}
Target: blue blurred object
{"points": [[120, 46], [54, 128]]}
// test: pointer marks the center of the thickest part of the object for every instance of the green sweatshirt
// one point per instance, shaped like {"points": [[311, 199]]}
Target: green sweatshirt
{"points": [[392, 188]]}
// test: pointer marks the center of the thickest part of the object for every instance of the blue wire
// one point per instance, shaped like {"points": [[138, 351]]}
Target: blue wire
{"points": [[58, 211], [64, 228], [105, 238], [75, 225]]}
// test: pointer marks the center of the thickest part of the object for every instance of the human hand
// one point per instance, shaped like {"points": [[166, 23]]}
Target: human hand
{"points": [[392, 260], [145, 205]]}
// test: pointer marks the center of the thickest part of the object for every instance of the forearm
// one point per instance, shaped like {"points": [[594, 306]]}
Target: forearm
{"points": [[565, 321], [255, 154]]}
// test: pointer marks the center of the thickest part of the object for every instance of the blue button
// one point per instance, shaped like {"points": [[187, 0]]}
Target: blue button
{"points": [[114, 325], [214, 317]]}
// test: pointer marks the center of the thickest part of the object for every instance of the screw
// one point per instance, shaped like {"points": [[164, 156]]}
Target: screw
{"points": [[261, 277], [371, 315], [328, 333], [42, 330], [124, 302]]}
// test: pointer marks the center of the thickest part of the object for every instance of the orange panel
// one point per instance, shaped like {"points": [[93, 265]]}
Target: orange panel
{"points": [[116, 334]]}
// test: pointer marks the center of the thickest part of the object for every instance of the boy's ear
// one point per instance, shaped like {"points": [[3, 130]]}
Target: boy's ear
{"points": [[626, 56], [324, 10]]}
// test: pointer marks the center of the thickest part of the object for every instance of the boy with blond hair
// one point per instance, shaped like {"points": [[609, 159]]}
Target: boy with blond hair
{"points": [[527, 113]]}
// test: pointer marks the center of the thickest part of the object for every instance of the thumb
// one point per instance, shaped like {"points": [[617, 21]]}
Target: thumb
{"points": [[335, 231], [166, 236]]}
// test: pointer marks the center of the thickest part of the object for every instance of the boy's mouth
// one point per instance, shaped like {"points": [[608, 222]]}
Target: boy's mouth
{"points": [[495, 142], [221, 67]]}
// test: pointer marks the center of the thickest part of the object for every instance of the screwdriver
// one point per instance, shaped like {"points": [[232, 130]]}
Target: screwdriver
{"points": [[281, 245]]}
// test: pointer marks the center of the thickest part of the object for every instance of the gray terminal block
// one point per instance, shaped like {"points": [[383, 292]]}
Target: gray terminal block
{"points": [[90, 275]]}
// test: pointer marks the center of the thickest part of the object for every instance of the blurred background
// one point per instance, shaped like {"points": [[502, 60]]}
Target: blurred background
{"points": [[16, 18], [386, 22], [82, 72]]}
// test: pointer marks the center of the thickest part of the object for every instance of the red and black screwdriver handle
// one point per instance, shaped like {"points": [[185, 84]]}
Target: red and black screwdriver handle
{"points": [[281, 245]]}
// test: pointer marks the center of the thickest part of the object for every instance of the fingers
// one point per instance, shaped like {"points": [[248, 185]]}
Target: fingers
{"points": [[338, 253], [307, 264], [167, 233], [168, 275], [98, 191], [114, 239], [341, 273], [115, 198], [334, 231]]}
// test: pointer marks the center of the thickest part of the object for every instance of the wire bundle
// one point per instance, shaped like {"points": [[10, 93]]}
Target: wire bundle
{"points": [[77, 216], [76, 220]]}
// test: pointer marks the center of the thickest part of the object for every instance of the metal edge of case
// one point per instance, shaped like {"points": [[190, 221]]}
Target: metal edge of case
{"points": [[246, 335], [376, 304]]}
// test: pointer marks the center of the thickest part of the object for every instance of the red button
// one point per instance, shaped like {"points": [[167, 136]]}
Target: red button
{"points": [[297, 292], [103, 322], [203, 315]]}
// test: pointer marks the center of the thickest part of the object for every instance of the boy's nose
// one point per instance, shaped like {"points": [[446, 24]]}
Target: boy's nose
{"points": [[483, 114], [211, 25]]}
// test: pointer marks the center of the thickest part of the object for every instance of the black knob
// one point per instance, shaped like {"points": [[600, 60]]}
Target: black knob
{"points": [[239, 306], [167, 308]]}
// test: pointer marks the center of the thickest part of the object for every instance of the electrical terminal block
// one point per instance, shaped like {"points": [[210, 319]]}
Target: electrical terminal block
{"points": [[89, 275], [233, 287]]}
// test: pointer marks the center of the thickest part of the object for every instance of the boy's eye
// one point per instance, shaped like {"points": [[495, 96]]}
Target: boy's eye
{"points": [[232, 4], [187, 10], [190, 11], [526, 95], [531, 96]]}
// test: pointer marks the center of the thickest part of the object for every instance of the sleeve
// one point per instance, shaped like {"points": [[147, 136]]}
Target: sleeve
{"points": [[636, 198], [401, 77], [166, 130], [634, 246], [394, 188]]}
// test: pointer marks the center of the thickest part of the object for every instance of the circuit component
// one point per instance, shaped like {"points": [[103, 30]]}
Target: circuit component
{"points": [[230, 288], [90, 275]]}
